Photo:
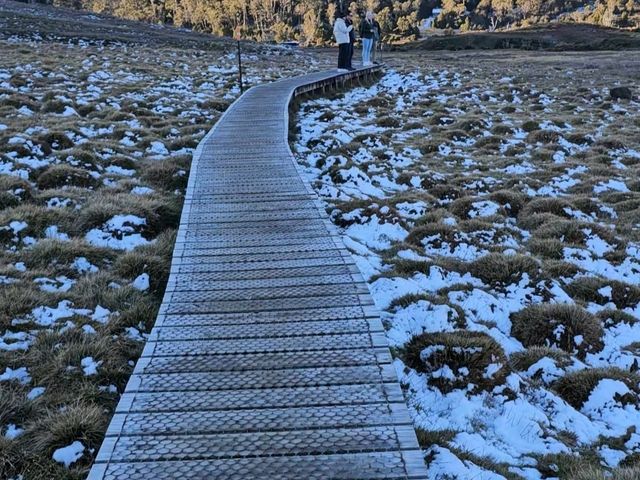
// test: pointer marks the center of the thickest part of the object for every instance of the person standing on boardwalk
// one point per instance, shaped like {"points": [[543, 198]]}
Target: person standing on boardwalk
{"points": [[342, 33], [377, 35], [352, 40], [367, 34]]}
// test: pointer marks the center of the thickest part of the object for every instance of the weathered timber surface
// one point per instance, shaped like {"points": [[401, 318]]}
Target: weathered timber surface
{"points": [[267, 360]]}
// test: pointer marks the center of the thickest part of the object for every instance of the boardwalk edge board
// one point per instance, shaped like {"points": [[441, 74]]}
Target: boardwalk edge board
{"points": [[268, 358]]}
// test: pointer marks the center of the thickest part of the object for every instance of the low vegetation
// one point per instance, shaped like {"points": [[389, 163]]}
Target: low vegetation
{"points": [[553, 36], [467, 360], [96, 138], [567, 327], [492, 202]]}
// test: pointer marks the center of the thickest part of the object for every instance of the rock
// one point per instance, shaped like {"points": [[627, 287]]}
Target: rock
{"points": [[621, 93]]}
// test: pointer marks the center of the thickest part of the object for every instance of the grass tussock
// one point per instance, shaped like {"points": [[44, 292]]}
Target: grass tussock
{"points": [[521, 361], [567, 327], [60, 255], [525, 205], [160, 214], [58, 356], [60, 176], [57, 429], [457, 360], [169, 175], [576, 387], [595, 473], [498, 269], [555, 206], [561, 465]]}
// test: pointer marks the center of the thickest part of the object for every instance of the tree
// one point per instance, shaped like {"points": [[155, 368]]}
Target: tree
{"points": [[67, 3], [530, 7], [282, 32], [311, 12], [407, 25], [502, 8], [133, 9], [312, 20]]}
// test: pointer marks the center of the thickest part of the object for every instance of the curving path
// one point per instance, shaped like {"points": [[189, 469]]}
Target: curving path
{"points": [[267, 360]]}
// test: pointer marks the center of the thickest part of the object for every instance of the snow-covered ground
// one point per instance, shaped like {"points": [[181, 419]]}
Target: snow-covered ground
{"points": [[96, 139], [493, 206]]}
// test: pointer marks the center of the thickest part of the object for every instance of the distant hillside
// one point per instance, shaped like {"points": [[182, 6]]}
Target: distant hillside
{"points": [[557, 36], [16, 18], [492, 14], [310, 21]]}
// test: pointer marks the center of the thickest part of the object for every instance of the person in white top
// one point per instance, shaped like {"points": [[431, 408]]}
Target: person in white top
{"points": [[341, 32]]}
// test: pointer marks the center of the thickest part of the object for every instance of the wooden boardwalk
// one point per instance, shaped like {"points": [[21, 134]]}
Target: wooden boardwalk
{"points": [[267, 360]]}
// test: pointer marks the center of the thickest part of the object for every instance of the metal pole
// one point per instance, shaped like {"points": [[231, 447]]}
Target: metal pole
{"points": [[240, 68]]}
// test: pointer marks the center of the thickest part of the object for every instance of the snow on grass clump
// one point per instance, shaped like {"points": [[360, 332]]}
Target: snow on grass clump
{"points": [[484, 208], [387, 289], [376, 234], [590, 260], [35, 392], [141, 282], [613, 184], [444, 464], [142, 191], [53, 233], [101, 314], [422, 317], [15, 341], [82, 265], [120, 232], [20, 375], [47, 316], [12, 431], [89, 366], [157, 149], [69, 454], [59, 284]]}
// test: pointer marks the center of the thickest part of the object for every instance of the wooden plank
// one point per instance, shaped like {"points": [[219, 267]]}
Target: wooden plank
{"points": [[382, 465]]}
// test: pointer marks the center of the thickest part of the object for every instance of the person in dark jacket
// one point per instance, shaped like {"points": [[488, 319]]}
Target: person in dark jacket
{"points": [[377, 35], [352, 40], [367, 33]]}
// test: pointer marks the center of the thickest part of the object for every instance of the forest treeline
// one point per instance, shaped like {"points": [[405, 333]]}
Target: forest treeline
{"points": [[310, 21]]}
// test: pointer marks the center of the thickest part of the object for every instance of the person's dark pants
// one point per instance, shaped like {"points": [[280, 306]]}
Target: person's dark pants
{"points": [[343, 55], [350, 58]]}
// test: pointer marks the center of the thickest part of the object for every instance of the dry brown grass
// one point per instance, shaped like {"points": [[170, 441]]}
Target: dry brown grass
{"points": [[594, 473], [457, 351], [530, 133], [500, 270], [64, 163], [521, 361], [575, 387], [558, 325]]}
